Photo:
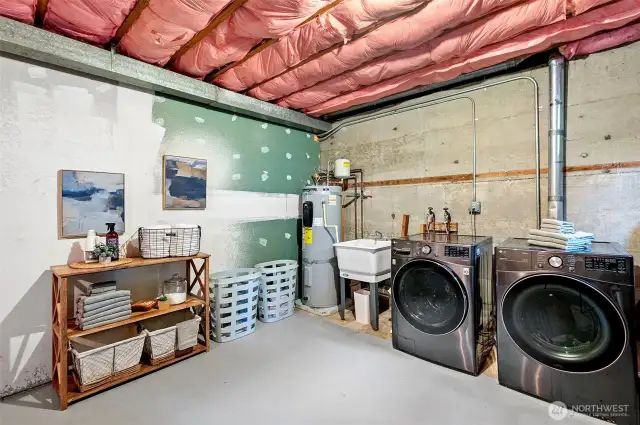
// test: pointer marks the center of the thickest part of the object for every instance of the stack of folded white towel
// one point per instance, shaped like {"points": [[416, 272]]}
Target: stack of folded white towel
{"points": [[561, 235], [101, 304]]}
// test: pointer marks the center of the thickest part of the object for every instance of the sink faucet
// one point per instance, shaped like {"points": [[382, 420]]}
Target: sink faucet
{"points": [[447, 219], [377, 236], [432, 221]]}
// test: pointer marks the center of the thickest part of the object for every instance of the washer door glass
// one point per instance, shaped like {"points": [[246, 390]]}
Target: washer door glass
{"points": [[563, 323], [430, 297]]}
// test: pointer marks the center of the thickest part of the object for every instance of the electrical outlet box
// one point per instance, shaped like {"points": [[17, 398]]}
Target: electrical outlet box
{"points": [[475, 207]]}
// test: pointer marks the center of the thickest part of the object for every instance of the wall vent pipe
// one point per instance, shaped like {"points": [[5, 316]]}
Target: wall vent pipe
{"points": [[557, 135]]}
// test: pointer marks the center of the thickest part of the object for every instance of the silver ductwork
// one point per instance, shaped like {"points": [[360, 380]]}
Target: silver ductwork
{"points": [[557, 135]]}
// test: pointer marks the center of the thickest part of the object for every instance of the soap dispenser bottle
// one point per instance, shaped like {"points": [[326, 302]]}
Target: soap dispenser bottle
{"points": [[112, 239]]}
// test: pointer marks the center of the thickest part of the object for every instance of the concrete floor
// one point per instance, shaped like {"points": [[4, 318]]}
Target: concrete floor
{"points": [[300, 371]]}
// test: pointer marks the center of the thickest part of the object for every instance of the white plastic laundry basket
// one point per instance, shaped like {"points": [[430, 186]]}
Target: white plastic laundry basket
{"points": [[278, 290], [234, 303]]}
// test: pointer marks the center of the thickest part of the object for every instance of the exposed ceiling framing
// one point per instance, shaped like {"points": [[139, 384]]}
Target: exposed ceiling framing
{"points": [[357, 52], [41, 10], [335, 46], [128, 22], [211, 26], [264, 44], [379, 58]]}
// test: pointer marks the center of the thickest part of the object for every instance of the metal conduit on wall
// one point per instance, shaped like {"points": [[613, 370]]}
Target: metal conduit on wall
{"points": [[456, 96]]}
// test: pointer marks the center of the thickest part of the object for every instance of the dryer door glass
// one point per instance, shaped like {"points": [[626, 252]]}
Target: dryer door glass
{"points": [[430, 297], [564, 323]]}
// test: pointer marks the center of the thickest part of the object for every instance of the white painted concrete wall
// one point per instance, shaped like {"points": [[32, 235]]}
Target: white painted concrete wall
{"points": [[603, 127], [49, 120]]}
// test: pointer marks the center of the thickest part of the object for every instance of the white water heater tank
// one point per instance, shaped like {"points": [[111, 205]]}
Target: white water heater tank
{"points": [[342, 168]]}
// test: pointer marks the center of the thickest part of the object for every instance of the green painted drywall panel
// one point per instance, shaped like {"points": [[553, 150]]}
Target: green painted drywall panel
{"points": [[243, 154], [262, 241]]}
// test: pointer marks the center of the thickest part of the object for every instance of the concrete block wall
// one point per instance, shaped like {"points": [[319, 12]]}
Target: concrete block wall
{"points": [[603, 155]]}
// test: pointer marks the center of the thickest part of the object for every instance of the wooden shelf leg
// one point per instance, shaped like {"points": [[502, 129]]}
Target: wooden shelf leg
{"points": [[63, 344], [207, 305], [60, 341]]}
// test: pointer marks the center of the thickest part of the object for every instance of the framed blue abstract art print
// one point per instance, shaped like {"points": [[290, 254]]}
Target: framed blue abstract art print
{"points": [[184, 183], [89, 199]]}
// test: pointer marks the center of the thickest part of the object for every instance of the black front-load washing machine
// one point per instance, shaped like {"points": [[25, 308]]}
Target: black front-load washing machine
{"points": [[442, 298], [565, 327]]}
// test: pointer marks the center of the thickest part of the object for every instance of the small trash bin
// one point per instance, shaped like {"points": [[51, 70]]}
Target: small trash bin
{"points": [[361, 301]]}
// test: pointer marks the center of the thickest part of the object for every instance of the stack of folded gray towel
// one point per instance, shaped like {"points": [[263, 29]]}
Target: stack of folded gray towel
{"points": [[101, 304], [561, 235]]}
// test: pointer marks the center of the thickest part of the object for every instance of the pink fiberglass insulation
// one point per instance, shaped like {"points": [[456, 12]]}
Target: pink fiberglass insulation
{"points": [[94, 21], [468, 39], [254, 21], [578, 7], [21, 10], [402, 33], [166, 25], [604, 18], [602, 41], [335, 26]]}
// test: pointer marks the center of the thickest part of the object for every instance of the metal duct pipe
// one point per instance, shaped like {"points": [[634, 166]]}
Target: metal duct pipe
{"points": [[458, 95], [557, 135]]}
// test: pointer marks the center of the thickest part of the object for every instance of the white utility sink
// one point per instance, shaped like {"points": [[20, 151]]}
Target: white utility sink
{"points": [[368, 260]]}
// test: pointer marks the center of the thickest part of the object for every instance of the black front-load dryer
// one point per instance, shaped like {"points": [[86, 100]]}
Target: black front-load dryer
{"points": [[442, 298], [565, 327]]}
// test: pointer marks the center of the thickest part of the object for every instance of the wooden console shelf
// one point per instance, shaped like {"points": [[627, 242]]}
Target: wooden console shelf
{"points": [[64, 328]]}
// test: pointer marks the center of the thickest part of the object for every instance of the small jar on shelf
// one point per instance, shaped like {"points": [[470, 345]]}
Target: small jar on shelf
{"points": [[175, 289]]}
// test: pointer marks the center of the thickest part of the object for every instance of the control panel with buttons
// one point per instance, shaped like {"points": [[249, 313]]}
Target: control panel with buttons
{"points": [[617, 265]]}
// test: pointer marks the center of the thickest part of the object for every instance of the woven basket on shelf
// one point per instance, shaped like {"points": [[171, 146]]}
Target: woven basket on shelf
{"points": [[161, 343], [188, 333], [94, 361]]}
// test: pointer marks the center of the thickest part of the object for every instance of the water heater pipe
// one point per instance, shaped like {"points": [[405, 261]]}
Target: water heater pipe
{"points": [[457, 94], [355, 171], [557, 135], [324, 222]]}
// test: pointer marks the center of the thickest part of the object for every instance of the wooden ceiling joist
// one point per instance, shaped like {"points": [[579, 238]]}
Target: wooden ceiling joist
{"points": [[212, 25], [41, 10], [129, 20], [264, 44]]}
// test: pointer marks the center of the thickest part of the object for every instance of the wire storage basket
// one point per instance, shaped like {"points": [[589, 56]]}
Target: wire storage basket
{"points": [[97, 357], [161, 343], [234, 303], [92, 365], [180, 240], [127, 353], [278, 290]]}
